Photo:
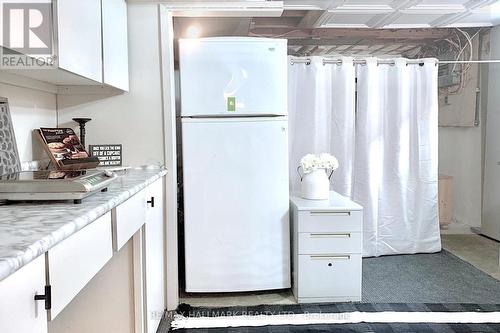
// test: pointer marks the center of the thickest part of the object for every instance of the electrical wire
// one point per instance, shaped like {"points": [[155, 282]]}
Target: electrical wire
{"points": [[275, 36]]}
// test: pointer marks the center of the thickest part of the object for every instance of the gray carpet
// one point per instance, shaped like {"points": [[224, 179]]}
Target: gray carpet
{"points": [[426, 278], [420, 282]]}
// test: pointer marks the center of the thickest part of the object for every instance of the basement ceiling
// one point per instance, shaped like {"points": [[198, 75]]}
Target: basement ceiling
{"points": [[389, 14], [372, 14], [354, 27]]}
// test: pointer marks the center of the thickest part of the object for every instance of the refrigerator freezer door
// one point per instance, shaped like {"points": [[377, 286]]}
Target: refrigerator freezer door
{"points": [[233, 76], [236, 204]]}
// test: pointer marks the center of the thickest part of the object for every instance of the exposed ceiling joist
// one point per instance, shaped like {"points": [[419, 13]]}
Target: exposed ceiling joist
{"points": [[342, 26], [291, 33], [270, 22], [243, 27], [401, 13], [310, 19]]}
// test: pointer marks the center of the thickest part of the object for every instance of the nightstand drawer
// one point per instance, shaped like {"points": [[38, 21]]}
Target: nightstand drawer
{"points": [[328, 221], [332, 242], [329, 275]]}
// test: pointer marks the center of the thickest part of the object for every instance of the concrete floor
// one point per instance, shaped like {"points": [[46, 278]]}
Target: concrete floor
{"points": [[239, 299], [479, 251]]}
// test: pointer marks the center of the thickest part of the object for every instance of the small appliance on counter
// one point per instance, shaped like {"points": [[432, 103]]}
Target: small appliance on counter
{"points": [[75, 178], [54, 185]]}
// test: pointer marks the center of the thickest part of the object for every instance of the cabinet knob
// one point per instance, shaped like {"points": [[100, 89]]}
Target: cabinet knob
{"points": [[47, 298], [152, 202]]}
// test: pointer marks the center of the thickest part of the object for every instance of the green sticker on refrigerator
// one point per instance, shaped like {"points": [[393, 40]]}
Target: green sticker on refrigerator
{"points": [[231, 104]]}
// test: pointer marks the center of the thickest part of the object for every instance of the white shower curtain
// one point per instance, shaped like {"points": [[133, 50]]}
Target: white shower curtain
{"points": [[321, 117], [396, 175], [388, 152]]}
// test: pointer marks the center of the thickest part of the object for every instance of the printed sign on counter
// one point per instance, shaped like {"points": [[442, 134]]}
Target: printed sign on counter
{"points": [[109, 155]]}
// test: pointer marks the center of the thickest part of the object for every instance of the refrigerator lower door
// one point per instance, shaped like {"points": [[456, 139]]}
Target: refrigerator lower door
{"points": [[236, 204]]}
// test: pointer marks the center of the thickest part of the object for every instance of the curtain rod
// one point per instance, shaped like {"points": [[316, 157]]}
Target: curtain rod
{"points": [[307, 61]]}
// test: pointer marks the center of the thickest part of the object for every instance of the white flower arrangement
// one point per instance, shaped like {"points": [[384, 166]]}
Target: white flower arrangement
{"points": [[311, 162]]}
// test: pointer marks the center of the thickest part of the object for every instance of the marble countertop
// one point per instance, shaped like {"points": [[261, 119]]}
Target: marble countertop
{"points": [[28, 230]]}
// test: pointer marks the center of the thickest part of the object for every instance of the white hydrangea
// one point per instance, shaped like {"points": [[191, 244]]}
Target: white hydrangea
{"points": [[312, 162]]}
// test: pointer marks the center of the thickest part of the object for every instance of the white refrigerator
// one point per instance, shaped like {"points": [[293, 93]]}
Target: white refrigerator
{"points": [[235, 164]]}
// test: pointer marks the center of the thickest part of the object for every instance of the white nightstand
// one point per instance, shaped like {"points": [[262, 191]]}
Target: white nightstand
{"points": [[326, 249]]}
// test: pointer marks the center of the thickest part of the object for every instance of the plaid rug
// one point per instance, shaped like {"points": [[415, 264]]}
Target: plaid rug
{"points": [[189, 311], [354, 328]]}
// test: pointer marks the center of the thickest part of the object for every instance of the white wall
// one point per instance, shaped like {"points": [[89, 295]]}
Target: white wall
{"points": [[460, 156], [29, 109], [133, 119], [461, 148]]}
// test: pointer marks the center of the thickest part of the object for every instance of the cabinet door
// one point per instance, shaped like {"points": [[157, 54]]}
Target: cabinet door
{"points": [[154, 256], [114, 42], [490, 224], [76, 260], [19, 312], [128, 218], [79, 37]]}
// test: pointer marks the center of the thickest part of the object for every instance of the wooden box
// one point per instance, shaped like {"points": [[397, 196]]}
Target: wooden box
{"points": [[445, 200]]}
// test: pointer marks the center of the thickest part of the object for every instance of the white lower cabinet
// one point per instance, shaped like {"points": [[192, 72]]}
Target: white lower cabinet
{"points": [[19, 312], [128, 218], [75, 271], [76, 260], [154, 256], [327, 248]]}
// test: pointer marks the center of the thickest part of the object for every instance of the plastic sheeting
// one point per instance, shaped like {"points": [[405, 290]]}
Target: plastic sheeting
{"points": [[388, 152]]}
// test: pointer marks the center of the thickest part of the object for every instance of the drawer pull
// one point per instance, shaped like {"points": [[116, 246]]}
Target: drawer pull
{"points": [[47, 297], [326, 257], [325, 235], [327, 213]]}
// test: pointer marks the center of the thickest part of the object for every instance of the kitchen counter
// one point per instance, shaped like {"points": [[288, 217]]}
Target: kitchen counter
{"points": [[28, 230]]}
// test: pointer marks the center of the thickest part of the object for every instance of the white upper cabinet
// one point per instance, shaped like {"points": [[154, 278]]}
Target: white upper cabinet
{"points": [[89, 43], [114, 42], [79, 37]]}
